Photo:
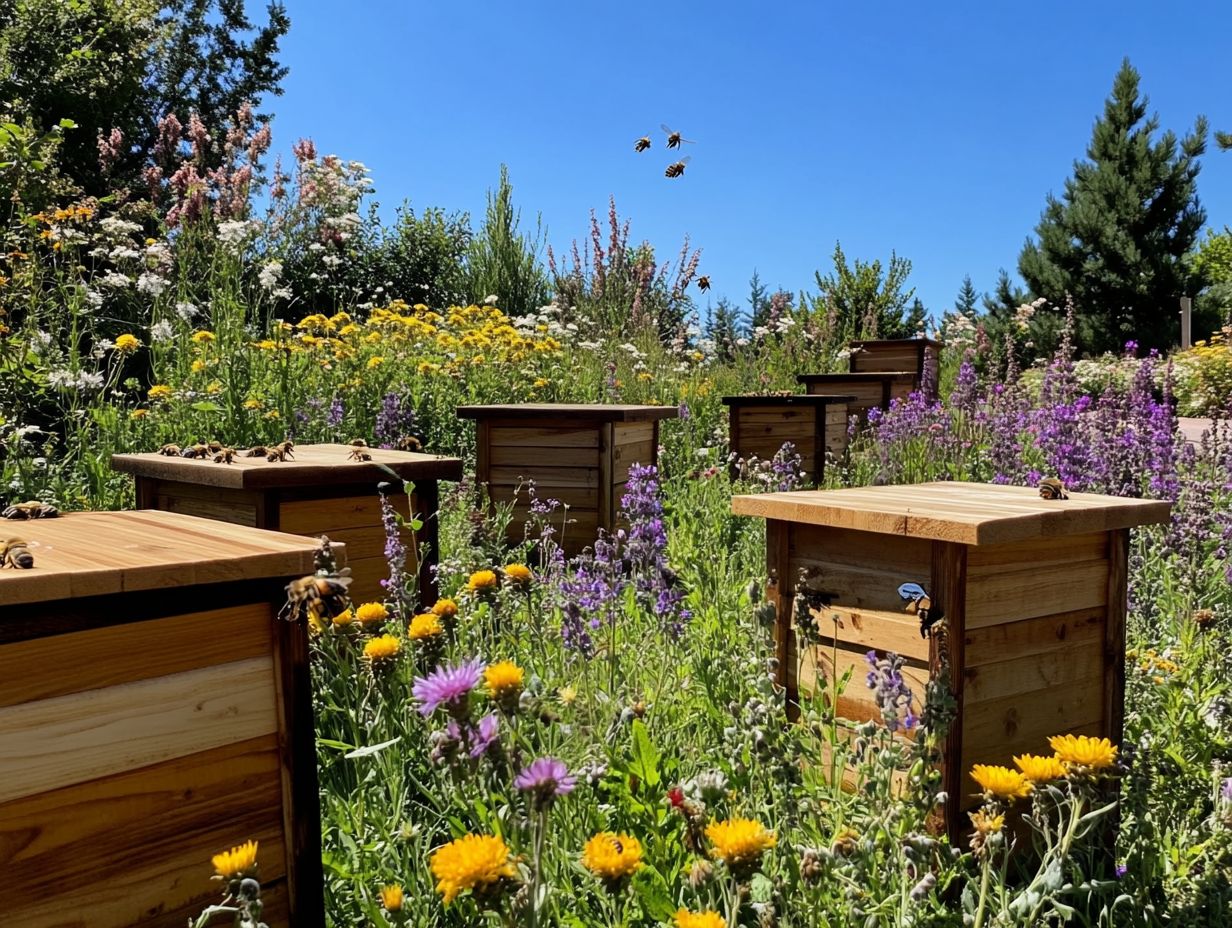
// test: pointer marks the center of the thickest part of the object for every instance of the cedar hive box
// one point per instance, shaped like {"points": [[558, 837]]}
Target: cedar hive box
{"points": [[892, 354], [579, 454], [153, 712], [321, 491], [879, 370], [759, 425], [1032, 590]]}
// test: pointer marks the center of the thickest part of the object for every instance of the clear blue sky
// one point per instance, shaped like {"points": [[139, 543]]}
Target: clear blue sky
{"points": [[935, 130]]}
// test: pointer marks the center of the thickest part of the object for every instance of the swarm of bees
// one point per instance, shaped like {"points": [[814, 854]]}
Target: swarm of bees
{"points": [[359, 450], [1052, 488], [919, 603], [16, 554], [221, 454], [31, 510], [674, 140]]}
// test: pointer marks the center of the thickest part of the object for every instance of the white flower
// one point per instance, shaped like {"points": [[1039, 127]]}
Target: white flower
{"points": [[41, 339], [124, 253], [235, 232], [113, 225], [491, 299], [151, 284], [116, 280], [186, 311], [268, 278], [61, 378], [89, 381], [161, 331]]}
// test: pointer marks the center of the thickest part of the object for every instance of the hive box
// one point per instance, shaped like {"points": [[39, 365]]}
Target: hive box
{"points": [[1033, 592], [153, 712], [892, 354], [320, 492], [759, 425], [577, 454], [867, 389]]}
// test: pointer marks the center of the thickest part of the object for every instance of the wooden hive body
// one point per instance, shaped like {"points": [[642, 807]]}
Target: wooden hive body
{"points": [[577, 454], [319, 492], [1033, 594], [867, 390], [153, 712], [905, 355], [815, 425]]}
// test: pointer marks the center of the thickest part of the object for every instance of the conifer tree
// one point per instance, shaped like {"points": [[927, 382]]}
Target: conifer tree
{"points": [[966, 300]]}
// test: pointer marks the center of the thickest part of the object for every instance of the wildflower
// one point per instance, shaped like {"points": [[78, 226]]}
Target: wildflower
{"points": [[343, 618], [253, 404], [1001, 782], [890, 690], [567, 695], [1040, 769], [198, 366], [138, 413], [126, 343], [504, 683], [162, 331], [548, 779], [739, 842], [160, 391], [1081, 751], [612, 857], [473, 862], [482, 581], [375, 362], [203, 337], [447, 686], [391, 897], [985, 823], [238, 862], [445, 608], [706, 919], [518, 574], [371, 614], [380, 651], [423, 626]]}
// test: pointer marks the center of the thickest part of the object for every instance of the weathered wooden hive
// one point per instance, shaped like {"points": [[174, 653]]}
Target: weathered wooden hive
{"points": [[579, 454], [153, 712], [320, 491], [1033, 594], [814, 424]]}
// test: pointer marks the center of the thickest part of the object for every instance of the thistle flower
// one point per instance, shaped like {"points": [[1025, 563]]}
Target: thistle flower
{"points": [[472, 862], [519, 575], [548, 779], [482, 582], [707, 919], [739, 842], [612, 857], [1001, 782], [447, 686], [1083, 753], [445, 608], [1040, 769], [236, 863]]}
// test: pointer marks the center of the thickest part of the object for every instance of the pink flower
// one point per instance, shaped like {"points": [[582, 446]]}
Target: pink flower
{"points": [[446, 686]]}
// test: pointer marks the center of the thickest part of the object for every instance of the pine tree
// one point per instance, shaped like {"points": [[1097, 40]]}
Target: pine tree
{"points": [[965, 302], [759, 303], [916, 321], [1117, 240], [724, 327], [867, 299]]}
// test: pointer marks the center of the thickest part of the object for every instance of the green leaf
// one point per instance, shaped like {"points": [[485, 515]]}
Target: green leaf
{"points": [[206, 406], [372, 748], [335, 745], [645, 758]]}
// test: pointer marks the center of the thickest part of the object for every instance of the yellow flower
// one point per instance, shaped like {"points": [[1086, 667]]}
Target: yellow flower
{"points": [[1084, 751], [504, 679], [138, 413], [470, 862], [384, 648], [272, 414], [160, 391], [986, 824], [738, 841], [253, 404], [445, 608], [707, 919], [214, 387], [237, 862], [1040, 769], [567, 695], [391, 897], [197, 366], [541, 382], [203, 337], [425, 625], [518, 574], [371, 614], [612, 857], [645, 376], [127, 344], [267, 344], [374, 362], [343, 618], [1001, 781], [482, 581]]}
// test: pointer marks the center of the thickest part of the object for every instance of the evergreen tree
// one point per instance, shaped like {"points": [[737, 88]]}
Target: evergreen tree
{"points": [[965, 302], [724, 327], [867, 300], [1117, 240], [759, 302], [504, 262]]}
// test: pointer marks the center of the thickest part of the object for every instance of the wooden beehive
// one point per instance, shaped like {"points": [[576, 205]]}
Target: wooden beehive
{"points": [[1033, 593], [892, 355], [153, 712], [321, 491], [814, 424], [867, 389], [577, 454]]}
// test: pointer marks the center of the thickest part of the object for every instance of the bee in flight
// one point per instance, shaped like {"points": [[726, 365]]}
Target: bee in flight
{"points": [[31, 510], [703, 283], [15, 554], [676, 168], [920, 603], [1052, 488], [320, 596], [673, 137], [642, 144]]}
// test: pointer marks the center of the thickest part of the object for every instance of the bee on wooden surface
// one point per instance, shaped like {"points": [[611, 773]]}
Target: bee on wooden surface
{"points": [[919, 603], [14, 553], [31, 510], [703, 283], [171, 451], [642, 144], [676, 168], [196, 451], [281, 451], [256, 451], [410, 443], [359, 454], [215, 447], [1052, 488], [225, 456], [322, 596], [674, 138]]}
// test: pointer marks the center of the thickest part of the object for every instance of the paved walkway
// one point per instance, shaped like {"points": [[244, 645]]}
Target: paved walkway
{"points": [[1192, 429]]}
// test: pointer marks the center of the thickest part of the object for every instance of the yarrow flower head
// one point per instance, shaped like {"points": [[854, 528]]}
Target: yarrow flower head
{"points": [[1082, 753], [739, 842], [1001, 782], [473, 862], [612, 857], [547, 779], [236, 863], [447, 686], [707, 919], [1039, 769]]}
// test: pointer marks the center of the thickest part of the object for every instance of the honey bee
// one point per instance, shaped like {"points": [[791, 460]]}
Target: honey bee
{"points": [[409, 443], [676, 168], [919, 603], [225, 456], [215, 447], [703, 283], [323, 596], [31, 510], [15, 554], [1052, 488], [281, 451], [674, 138], [256, 451], [171, 451], [196, 451], [620, 848], [642, 144], [359, 454]]}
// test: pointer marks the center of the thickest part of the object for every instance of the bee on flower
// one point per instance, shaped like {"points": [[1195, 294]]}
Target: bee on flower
{"points": [[613, 858]]}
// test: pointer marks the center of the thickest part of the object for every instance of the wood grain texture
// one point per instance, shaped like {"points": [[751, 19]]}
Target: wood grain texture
{"points": [[1019, 673], [605, 505], [779, 593], [1014, 595], [83, 736], [592, 412], [325, 516], [1037, 636], [793, 401], [541, 437], [870, 628], [824, 666], [948, 586], [313, 465]]}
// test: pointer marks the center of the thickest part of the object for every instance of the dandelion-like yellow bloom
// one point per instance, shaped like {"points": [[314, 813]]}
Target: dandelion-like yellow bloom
{"points": [[986, 824], [203, 337], [138, 413], [425, 625], [392, 897], [445, 608], [470, 862], [371, 614], [707, 919], [237, 862], [1001, 782], [160, 391], [1039, 769], [253, 404], [375, 361], [343, 618], [197, 366], [567, 695], [738, 841], [503, 679], [1084, 751], [519, 574], [612, 857], [214, 387], [382, 648], [482, 581], [127, 344]]}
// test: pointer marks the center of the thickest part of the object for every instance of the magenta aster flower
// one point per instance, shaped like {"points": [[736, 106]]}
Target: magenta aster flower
{"points": [[446, 686], [547, 778]]}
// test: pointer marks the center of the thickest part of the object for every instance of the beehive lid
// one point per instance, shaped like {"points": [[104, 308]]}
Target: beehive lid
{"points": [[599, 412], [888, 342], [313, 465], [865, 376], [966, 513], [795, 399], [98, 553]]}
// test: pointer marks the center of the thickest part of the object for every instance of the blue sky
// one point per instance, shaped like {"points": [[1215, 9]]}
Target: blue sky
{"points": [[934, 130]]}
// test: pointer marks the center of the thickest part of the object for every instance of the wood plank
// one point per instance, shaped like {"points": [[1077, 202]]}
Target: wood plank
{"points": [[546, 477], [530, 458], [856, 702], [543, 437], [1014, 595], [83, 736], [633, 433], [45, 667], [367, 574], [909, 556], [1114, 635], [779, 592], [316, 517], [775, 415], [218, 510], [597, 412], [1038, 552], [609, 461], [1037, 636], [625, 456], [948, 661], [871, 628], [1017, 674], [573, 496]]}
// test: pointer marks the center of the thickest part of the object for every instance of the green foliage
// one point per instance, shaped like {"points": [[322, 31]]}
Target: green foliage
{"points": [[1117, 241], [865, 300], [724, 327], [967, 300], [504, 262]]}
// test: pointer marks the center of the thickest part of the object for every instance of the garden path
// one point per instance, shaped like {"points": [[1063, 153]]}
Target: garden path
{"points": [[1192, 429]]}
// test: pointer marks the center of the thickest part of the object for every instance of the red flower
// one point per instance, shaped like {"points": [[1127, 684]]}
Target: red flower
{"points": [[675, 796]]}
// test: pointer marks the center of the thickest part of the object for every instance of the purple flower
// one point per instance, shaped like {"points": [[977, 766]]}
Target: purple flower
{"points": [[395, 553], [1121, 869], [1226, 789], [548, 778], [447, 686], [890, 690], [333, 418]]}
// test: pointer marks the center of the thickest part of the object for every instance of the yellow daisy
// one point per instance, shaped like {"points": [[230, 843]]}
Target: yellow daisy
{"points": [[1084, 751], [471, 862], [1001, 781], [238, 862], [425, 625], [707, 919], [1039, 769], [612, 857], [391, 897], [739, 841], [371, 614], [482, 581]]}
